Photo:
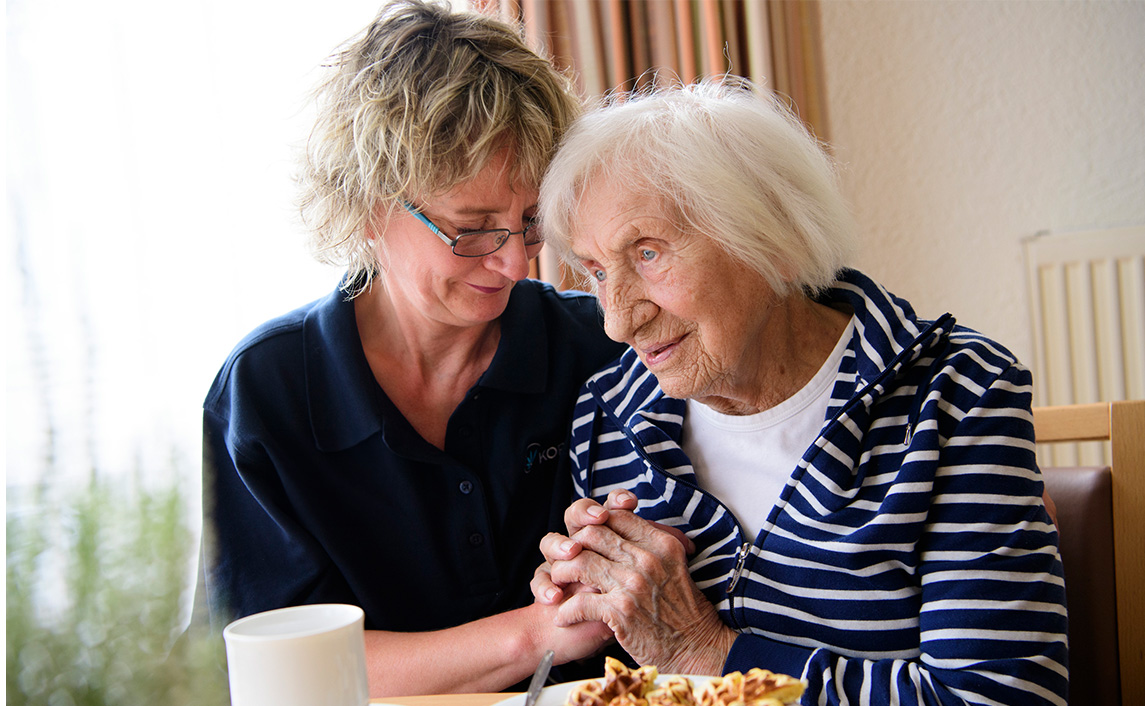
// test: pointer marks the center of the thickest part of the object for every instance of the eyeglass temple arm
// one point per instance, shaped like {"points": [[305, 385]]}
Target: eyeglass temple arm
{"points": [[428, 223]]}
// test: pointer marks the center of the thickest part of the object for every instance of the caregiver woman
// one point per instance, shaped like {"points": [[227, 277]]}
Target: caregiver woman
{"points": [[859, 482], [396, 444]]}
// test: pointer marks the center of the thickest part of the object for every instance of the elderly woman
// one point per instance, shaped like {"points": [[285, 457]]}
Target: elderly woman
{"points": [[398, 444], [859, 483]]}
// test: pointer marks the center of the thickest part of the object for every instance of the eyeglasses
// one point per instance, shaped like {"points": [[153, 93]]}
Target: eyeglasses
{"points": [[478, 243]]}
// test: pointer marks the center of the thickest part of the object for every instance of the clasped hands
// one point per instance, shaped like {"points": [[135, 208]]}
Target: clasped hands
{"points": [[632, 575]]}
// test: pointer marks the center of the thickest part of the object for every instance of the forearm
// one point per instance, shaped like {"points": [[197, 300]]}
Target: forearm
{"points": [[486, 655]]}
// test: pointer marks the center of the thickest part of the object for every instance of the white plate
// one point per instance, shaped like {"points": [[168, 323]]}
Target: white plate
{"points": [[557, 694]]}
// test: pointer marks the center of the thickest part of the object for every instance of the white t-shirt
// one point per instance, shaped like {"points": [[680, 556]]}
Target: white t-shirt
{"points": [[746, 460]]}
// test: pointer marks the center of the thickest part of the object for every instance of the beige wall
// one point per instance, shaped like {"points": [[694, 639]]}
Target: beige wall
{"points": [[966, 126]]}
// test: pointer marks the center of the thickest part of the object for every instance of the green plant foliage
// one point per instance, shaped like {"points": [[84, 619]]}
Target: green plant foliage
{"points": [[97, 589]]}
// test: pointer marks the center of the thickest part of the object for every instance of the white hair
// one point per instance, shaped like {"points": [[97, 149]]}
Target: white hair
{"points": [[729, 160]]}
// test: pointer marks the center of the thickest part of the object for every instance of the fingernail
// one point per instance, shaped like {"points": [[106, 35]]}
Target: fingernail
{"points": [[625, 496], [567, 546], [596, 511], [551, 594]]}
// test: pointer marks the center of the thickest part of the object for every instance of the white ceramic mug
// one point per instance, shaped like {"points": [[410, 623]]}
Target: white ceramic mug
{"points": [[310, 655]]}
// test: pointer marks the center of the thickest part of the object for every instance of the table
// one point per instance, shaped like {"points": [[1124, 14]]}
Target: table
{"points": [[446, 699]]}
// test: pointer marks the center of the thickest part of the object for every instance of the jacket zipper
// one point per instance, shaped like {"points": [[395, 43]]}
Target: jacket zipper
{"points": [[741, 559]]}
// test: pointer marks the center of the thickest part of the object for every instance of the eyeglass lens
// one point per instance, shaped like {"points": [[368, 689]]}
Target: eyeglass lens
{"points": [[489, 241]]}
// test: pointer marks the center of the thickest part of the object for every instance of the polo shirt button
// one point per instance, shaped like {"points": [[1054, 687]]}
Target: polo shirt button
{"points": [[466, 487], [477, 539]]}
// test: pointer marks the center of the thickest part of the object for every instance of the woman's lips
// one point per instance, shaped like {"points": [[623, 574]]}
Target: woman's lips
{"points": [[487, 290], [658, 353]]}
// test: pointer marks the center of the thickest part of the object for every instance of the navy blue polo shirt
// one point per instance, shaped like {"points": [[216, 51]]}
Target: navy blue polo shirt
{"points": [[316, 489]]}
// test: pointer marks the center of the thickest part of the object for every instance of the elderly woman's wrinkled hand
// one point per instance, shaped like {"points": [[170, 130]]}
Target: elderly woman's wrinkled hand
{"points": [[555, 546], [636, 574], [581, 514]]}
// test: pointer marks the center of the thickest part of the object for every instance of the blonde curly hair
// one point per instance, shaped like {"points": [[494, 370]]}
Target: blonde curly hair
{"points": [[416, 104]]}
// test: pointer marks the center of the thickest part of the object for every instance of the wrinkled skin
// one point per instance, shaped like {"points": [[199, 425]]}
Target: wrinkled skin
{"points": [[632, 575]]}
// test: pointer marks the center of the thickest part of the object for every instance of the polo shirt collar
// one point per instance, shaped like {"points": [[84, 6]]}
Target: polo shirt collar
{"points": [[340, 388], [345, 402]]}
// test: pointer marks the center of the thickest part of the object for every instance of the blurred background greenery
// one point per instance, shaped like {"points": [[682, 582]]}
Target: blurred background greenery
{"points": [[100, 555], [98, 599]]}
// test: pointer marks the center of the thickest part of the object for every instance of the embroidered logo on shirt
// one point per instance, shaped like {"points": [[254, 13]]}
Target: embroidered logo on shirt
{"points": [[537, 454]]}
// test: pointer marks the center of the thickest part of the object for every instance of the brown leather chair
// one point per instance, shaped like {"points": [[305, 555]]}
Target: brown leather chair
{"points": [[1084, 499], [1101, 522]]}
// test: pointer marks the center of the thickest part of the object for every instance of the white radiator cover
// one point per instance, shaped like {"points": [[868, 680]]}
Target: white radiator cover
{"points": [[1087, 303]]}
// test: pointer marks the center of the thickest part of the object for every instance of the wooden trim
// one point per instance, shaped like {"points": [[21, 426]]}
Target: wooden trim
{"points": [[445, 699], [1127, 435], [1082, 422]]}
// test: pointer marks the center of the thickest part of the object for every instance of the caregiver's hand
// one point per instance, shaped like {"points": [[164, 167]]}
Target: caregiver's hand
{"points": [[581, 514], [638, 584]]}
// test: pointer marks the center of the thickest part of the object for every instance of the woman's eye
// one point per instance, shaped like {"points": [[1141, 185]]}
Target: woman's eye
{"points": [[599, 275], [647, 255]]}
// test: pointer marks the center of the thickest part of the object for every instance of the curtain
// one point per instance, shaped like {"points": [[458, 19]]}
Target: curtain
{"points": [[628, 44]]}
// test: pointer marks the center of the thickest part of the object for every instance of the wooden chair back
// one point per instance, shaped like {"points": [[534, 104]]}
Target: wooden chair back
{"points": [[1085, 527]]}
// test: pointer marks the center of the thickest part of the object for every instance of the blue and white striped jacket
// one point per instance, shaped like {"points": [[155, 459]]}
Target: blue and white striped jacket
{"points": [[909, 559]]}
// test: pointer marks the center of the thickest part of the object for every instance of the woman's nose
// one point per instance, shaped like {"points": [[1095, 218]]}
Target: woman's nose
{"points": [[615, 327], [510, 260], [624, 313]]}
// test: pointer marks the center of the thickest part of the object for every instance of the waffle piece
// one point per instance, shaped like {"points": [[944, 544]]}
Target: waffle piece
{"points": [[675, 691], [629, 699], [620, 680], [758, 687], [760, 683], [622, 686], [587, 694]]}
